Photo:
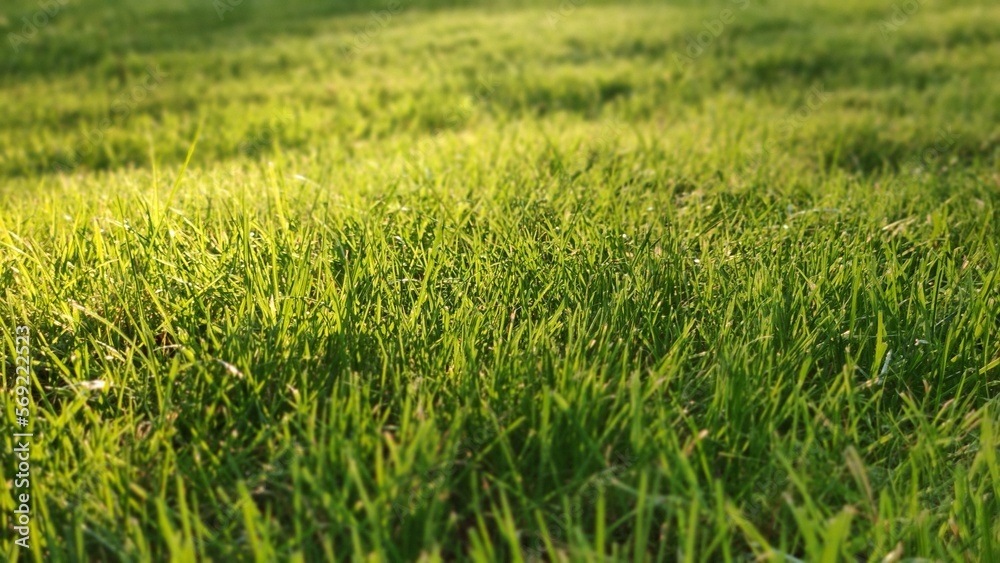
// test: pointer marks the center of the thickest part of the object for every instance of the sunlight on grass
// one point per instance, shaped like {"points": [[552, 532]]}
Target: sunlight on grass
{"points": [[508, 283]]}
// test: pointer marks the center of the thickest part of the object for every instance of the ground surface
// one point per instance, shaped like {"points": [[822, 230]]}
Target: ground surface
{"points": [[696, 281]]}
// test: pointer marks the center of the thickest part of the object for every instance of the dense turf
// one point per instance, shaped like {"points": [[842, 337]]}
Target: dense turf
{"points": [[517, 281]]}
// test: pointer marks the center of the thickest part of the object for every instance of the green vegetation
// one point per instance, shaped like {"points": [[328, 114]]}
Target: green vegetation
{"points": [[504, 280]]}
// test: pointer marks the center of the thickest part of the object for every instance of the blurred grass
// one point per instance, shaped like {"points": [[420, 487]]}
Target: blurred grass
{"points": [[513, 281]]}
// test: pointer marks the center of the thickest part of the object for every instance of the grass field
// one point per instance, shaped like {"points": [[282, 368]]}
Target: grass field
{"points": [[501, 281]]}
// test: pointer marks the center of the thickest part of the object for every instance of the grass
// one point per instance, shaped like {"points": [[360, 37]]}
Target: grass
{"points": [[506, 282]]}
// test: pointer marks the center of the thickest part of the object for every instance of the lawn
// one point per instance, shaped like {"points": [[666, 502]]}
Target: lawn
{"points": [[446, 280]]}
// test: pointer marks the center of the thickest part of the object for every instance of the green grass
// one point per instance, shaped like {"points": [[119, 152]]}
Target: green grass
{"points": [[514, 282]]}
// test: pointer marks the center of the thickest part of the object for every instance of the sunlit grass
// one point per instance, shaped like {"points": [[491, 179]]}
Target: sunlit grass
{"points": [[510, 287]]}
